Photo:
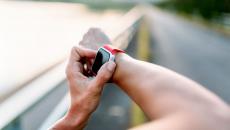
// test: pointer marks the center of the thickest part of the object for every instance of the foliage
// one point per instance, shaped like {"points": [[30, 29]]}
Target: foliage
{"points": [[99, 5], [206, 8]]}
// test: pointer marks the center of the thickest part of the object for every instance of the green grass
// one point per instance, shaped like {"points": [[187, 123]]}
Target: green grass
{"points": [[99, 5]]}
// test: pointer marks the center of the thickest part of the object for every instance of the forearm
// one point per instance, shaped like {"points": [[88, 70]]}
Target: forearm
{"points": [[159, 91]]}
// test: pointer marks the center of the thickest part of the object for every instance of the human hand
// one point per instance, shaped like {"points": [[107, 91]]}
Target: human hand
{"points": [[85, 92]]}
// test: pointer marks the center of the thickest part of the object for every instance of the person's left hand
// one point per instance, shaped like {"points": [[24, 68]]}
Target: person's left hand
{"points": [[85, 92]]}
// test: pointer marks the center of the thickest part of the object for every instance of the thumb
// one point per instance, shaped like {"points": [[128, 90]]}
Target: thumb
{"points": [[103, 75]]}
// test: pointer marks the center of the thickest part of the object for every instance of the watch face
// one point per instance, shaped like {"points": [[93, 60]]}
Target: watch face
{"points": [[101, 58]]}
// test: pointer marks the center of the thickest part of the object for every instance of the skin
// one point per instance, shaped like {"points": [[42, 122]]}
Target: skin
{"points": [[85, 92], [170, 100]]}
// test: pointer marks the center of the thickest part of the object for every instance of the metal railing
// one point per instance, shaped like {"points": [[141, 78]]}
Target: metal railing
{"points": [[124, 36], [50, 101]]}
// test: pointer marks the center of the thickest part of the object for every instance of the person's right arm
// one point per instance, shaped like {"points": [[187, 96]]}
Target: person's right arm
{"points": [[170, 100]]}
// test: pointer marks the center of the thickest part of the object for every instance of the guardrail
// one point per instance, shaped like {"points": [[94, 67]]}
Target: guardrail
{"points": [[122, 40], [33, 99]]}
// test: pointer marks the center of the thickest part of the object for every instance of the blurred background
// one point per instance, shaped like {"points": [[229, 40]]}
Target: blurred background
{"points": [[191, 37]]}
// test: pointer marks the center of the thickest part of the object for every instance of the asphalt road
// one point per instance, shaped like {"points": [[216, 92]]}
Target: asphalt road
{"points": [[192, 50]]}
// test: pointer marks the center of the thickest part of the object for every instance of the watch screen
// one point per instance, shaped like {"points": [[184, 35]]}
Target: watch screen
{"points": [[101, 58]]}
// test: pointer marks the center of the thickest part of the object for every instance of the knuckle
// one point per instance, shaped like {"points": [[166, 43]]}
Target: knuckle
{"points": [[104, 74], [103, 77], [73, 50], [106, 77], [78, 50]]}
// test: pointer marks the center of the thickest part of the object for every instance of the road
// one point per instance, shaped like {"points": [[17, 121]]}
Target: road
{"points": [[192, 50]]}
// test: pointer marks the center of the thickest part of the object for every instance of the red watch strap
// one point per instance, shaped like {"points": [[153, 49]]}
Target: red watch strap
{"points": [[112, 49]]}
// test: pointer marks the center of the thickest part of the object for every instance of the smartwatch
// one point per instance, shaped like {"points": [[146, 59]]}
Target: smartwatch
{"points": [[104, 54]]}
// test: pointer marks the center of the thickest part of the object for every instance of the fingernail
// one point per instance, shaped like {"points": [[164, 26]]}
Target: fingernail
{"points": [[111, 66]]}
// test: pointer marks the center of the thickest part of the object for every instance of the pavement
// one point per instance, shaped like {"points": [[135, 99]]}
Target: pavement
{"points": [[192, 50]]}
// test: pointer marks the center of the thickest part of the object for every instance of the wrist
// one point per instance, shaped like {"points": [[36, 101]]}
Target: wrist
{"points": [[120, 60], [71, 121], [76, 121]]}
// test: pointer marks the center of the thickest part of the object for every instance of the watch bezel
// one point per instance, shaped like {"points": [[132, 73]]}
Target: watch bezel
{"points": [[111, 57]]}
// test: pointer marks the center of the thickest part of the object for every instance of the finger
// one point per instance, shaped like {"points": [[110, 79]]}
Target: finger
{"points": [[75, 66], [78, 52], [103, 76]]}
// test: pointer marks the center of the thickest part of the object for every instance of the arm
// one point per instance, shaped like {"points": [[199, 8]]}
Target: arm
{"points": [[171, 100], [84, 92]]}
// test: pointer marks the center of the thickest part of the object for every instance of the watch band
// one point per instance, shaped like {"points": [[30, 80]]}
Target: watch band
{"points": [[112, 49]]}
